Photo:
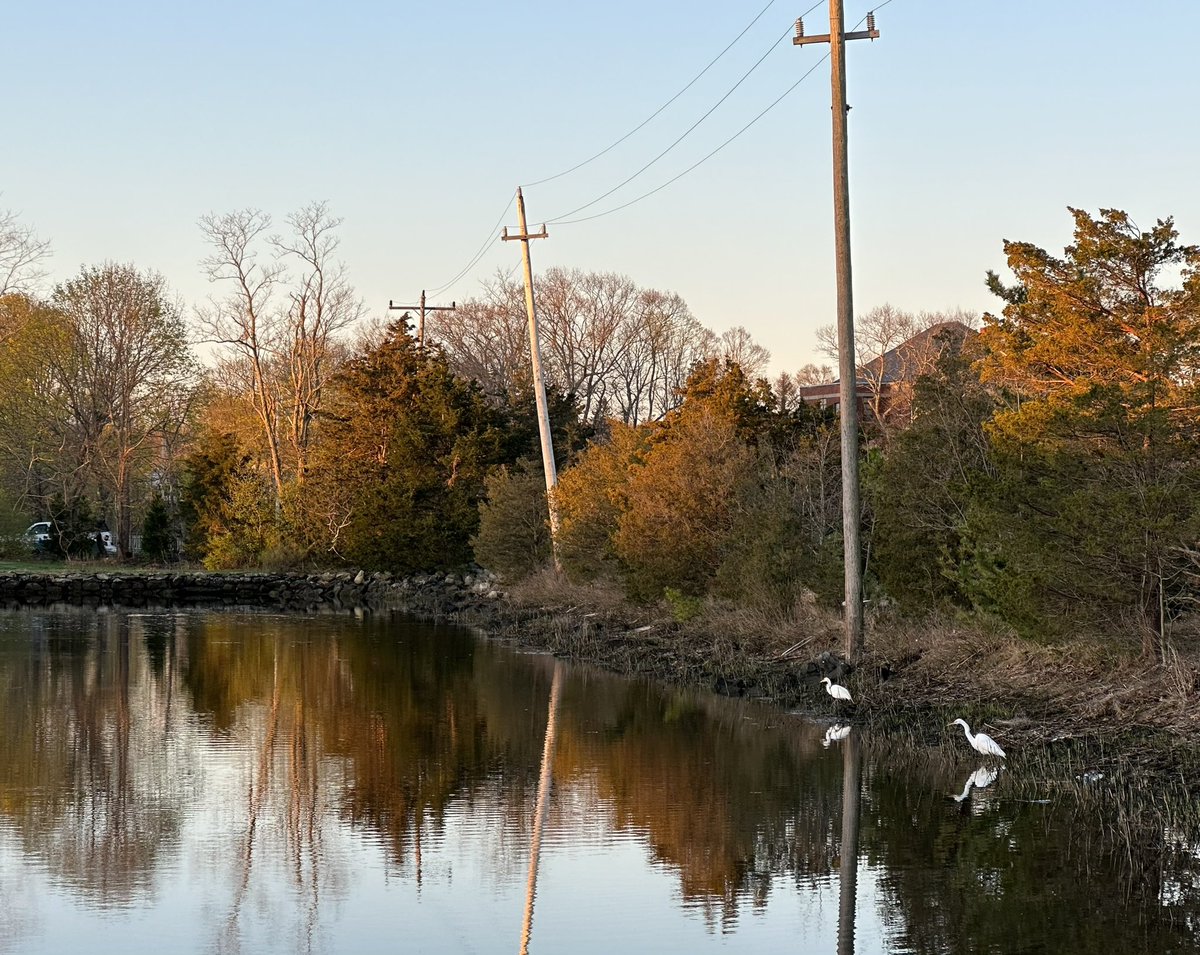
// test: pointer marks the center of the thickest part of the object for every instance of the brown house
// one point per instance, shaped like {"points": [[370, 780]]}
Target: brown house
{"points": [[884, 386]]}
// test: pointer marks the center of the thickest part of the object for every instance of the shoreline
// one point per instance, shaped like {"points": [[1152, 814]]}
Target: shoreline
{"points": [[1089, 706]]}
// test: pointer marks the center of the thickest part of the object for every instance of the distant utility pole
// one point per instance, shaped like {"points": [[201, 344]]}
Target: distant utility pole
{"points": [[847, 367], [422, 308], [535, 358]]}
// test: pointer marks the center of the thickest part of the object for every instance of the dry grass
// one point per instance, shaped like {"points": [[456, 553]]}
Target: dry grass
{"points": [[1091, 693]]}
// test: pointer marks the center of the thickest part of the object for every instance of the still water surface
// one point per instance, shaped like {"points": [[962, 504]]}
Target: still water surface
{"points": [[246, 783]]}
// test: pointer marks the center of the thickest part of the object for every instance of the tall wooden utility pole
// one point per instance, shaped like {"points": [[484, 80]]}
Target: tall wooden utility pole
{"points": [[847, 367], [422, 308], [535, 359]]}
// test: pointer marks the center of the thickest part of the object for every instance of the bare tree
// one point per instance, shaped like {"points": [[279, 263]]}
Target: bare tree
{"points": [[586, 316], [812, 374], [622, 351], [243, 320], [737, 345], [126, 375], [21, 255], [321, 304], [664, 342], [280, 327], [486, 339]]}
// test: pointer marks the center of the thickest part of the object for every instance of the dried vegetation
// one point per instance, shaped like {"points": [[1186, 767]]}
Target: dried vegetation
{"points": [[1087, 704]]}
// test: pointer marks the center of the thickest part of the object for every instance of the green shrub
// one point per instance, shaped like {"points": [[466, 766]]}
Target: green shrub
{"points": [[683, 607], [245, 525], [514, 531], [159, 541], [679, 505]]}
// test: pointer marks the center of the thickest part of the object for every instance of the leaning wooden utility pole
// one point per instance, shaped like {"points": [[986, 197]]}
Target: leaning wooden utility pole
{"points": [[847, 367], [422, 308], [535, 358]]}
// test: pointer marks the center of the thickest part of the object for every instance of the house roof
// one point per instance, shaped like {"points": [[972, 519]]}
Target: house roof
{"points": [[893, 362]]}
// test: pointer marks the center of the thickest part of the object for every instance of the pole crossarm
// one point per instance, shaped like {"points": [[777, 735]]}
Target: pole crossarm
{"points": [[870, 33], [824, 37], [421, 308], [452, 307], [505, 237]]}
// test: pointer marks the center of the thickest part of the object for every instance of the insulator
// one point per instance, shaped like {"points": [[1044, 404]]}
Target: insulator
{"points": [[871, 21], [800, 27]]}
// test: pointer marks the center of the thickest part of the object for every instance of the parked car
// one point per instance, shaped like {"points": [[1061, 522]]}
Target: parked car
{"points": [[38, 536]]}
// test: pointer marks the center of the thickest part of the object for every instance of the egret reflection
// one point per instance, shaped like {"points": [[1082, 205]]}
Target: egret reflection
{"points": [[835, 734], [983, 777]]}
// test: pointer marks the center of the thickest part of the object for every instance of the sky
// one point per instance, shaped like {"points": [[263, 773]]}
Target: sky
{"points": [[972, 122]]}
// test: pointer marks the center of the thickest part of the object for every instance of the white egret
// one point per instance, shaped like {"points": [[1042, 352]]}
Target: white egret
{"points": [[836, 690], [980, 742], [835, 734], [980, 779]]}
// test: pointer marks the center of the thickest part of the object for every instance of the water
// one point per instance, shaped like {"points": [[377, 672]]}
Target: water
{"points": [[247, 783]]}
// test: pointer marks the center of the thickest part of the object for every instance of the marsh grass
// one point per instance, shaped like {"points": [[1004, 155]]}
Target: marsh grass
{"points": [[1092, 704], [1145, 824]]}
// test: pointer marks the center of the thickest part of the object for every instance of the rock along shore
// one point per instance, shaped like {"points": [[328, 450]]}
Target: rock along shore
{"points": [[422, 594], [472, 598]]}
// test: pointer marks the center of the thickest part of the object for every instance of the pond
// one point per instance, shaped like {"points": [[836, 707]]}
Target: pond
{"points": [[235, 782]]}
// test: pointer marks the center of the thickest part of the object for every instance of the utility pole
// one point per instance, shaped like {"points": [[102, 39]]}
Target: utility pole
{"points": [[847, 367], [535, 359], [422, 308]]}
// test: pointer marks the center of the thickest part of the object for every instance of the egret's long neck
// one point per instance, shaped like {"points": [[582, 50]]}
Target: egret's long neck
{"points": [[967, 731]]}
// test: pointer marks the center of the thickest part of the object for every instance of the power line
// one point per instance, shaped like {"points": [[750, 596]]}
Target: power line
{"points": [[699, 162], [685, 134], [689, 85], [708, 156], [492, 239]]}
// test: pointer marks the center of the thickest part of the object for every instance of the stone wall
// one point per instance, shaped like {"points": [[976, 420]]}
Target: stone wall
{"points": [[431, 594]]}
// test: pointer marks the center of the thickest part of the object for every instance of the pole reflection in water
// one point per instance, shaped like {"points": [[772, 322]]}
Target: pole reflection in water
{"points": [[848, 886], [543, 797]]}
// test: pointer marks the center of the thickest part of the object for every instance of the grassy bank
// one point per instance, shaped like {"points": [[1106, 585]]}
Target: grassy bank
{"points": [[1093, 706]]}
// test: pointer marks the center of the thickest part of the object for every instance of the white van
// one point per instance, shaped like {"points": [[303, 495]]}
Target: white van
{"points": [[38, 536]]}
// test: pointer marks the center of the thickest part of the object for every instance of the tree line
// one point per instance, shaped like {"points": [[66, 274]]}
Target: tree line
{"points": [[312, 432], [1038, 466], [1043, 472]]}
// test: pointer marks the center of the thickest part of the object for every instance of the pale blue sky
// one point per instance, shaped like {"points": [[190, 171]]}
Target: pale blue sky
{"points": [[972, 122]]}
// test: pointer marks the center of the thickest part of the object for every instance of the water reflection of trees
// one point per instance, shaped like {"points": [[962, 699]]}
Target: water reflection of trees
{"points": [[394, 731], [86, 785]]}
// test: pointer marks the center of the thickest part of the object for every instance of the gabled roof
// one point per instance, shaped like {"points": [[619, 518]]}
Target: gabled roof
{"points": [[894, 365]]}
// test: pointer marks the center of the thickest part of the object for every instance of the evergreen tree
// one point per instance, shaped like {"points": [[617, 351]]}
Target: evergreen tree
{"points": [[408, 446], [1097, 362]]}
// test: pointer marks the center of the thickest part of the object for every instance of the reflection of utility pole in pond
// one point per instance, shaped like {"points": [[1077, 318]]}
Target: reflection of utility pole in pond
{"points": [[543, 797], [848, 870]]}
